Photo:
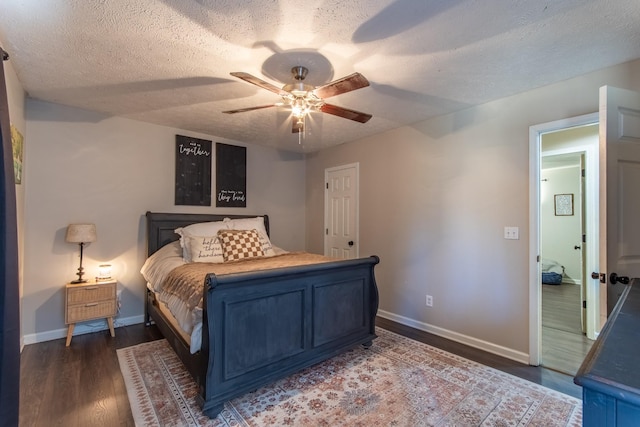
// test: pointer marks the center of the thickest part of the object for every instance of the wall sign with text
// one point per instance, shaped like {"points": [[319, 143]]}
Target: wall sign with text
{"points": [[231, 176], [193, 171]]}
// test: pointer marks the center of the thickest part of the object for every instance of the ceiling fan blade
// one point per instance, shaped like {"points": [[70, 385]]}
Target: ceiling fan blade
{"points": [[346, 84], [346, 113], [297, 126], [258, 82], [242, 110]]}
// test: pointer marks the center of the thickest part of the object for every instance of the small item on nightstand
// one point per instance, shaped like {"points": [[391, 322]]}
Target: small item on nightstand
{"points": [[104, 272]]}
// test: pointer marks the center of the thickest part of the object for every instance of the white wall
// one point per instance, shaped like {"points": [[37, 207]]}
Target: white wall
{"points": [[84, 166], [434, 200]]}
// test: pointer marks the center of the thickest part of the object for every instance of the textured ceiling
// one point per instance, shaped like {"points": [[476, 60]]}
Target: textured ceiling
{"points": [[168, 61]]}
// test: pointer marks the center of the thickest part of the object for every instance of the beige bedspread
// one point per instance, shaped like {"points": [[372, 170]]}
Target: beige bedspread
{"points": [[186, 281]]}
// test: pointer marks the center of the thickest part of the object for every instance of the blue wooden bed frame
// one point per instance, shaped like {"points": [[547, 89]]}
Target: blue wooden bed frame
{"points": [[261, 326]]}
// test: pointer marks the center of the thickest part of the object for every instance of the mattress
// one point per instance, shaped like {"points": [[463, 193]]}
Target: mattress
{"points": [[196, 334]]}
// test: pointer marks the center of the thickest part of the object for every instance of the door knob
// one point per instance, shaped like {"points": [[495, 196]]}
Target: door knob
{"points": [[601, 276], [576, 247], [350, 243], [614, 278]]}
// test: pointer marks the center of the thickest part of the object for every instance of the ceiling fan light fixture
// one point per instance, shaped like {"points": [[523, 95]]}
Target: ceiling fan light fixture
{"points": [[299, 108], [302, 98], [297, 88]]}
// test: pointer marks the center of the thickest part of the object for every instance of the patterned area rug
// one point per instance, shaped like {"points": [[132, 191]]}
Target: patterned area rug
{"points": [[397, 382]]}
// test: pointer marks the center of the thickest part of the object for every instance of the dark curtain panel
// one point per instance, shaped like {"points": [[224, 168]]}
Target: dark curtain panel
{"points": [[9, 298]]}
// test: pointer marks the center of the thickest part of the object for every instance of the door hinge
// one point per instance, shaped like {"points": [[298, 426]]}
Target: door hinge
{"points": [[326, 231], [327, 184], [584, 238], [583, 174], [584, 304], [538, 258]]}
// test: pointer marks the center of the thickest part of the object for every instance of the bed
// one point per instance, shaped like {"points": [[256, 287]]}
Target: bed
{"points": [[552, 272], [260, 326]]}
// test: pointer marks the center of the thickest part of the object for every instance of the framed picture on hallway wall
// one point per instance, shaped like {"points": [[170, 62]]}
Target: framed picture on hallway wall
{"points": [[563, 204]]}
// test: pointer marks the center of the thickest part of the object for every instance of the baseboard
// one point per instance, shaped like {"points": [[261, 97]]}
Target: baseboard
{"points": [[508, 353], [81, 328], [567, 281]]}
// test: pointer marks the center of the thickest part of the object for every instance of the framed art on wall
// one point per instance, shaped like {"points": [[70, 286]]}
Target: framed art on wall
{"points": [[231, 176], [563, 204], [193, 171], [17, 143]]}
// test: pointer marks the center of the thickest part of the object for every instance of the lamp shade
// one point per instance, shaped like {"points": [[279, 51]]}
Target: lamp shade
{"points": [[81, 233]]}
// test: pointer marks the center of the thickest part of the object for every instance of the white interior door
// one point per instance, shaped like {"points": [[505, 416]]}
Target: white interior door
{"points": [[583, 247], [341, 212], [620, 180]]}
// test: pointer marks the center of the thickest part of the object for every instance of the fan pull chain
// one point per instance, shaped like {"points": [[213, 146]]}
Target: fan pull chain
{"points": [[304, 129]]}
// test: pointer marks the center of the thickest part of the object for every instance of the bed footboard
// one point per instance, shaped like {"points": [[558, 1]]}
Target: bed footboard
{"points": [[259, 327]]}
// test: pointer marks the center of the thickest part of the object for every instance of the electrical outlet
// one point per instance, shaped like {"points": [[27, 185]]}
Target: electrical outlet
{"points": [[429, 301]]}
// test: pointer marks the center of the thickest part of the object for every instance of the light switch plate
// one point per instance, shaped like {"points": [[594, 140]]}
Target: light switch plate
{"points": [[512, 233]]}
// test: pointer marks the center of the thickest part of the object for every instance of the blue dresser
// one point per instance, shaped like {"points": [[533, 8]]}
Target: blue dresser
{"points": [[610, 374]]}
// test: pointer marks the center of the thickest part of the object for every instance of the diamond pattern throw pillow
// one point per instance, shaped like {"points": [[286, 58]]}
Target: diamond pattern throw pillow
{"points": [[240, 244]]}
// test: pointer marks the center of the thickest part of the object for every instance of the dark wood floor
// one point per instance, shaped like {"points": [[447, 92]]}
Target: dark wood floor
{"points": [[81, 385]]}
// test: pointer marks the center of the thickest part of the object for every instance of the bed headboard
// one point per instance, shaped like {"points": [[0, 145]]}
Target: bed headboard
{"points": [[160, 226]]}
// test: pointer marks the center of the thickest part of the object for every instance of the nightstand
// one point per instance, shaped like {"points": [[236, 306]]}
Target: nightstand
{"points": [[88, 301]]}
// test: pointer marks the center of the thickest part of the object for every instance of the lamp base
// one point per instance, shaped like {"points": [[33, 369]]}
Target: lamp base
{"points": [[80, 272]]}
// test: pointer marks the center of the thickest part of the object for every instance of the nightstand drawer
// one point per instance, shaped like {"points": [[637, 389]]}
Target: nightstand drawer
{"points": [[91, 293], [90, 310]]}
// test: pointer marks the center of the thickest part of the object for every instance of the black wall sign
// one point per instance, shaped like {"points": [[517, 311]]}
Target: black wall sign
{"points": [[231, 176], [193, 171]]}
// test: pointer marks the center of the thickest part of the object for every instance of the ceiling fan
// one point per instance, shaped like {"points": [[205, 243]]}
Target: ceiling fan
{"points": [[303, 98]]}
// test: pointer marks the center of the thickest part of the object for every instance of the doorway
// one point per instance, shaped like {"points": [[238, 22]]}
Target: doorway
{"points": [[562, 227], [569, 145], [341, 239]]}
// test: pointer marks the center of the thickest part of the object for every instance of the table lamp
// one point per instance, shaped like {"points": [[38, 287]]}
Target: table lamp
{"points": [[81, 234]]}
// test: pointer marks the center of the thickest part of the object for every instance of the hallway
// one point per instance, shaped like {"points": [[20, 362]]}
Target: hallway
{"points": [[564, 346]]}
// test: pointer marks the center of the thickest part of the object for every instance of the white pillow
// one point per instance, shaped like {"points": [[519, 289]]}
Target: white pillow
{"points": [[278, 250], [257, 224], [204, 248], [160, 263], [200, 229]]}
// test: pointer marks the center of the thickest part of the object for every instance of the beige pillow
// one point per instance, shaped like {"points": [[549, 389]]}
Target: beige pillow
{"points": [[195, 230], [256, 223], [205, 248], [240, 244]]}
